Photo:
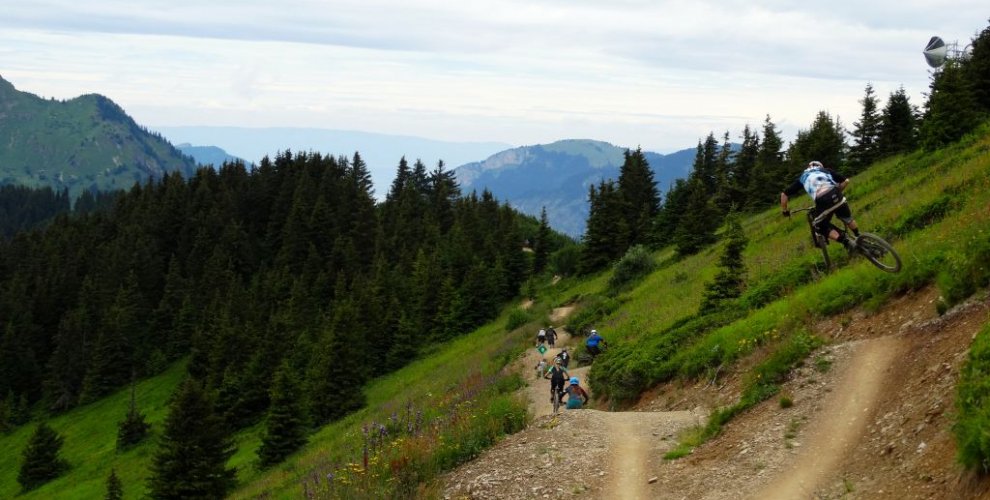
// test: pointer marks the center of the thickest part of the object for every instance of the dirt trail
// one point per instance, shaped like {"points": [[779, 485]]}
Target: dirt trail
{"points": [[598, 453], [871, 418], [841, 423]]}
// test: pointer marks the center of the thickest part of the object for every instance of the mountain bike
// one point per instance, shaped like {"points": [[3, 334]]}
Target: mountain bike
{"points": [[557, 396], [876, 250]]}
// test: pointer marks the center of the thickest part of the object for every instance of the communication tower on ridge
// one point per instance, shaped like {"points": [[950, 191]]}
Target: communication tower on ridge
{"points": [[937, 52]]}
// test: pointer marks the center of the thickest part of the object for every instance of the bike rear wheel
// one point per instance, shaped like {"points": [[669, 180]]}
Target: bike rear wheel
{"points": [[822, 243], [879, 252]]}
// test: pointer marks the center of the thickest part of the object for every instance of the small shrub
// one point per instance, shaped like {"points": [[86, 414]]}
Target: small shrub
{"points": [[927, 214], [635, 264], [517, 317], [786, 401], [594, 308], [965, 270], [823, 364]]}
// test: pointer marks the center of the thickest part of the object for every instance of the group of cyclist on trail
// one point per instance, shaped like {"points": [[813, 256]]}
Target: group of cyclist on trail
{"points": [[557, 373]]}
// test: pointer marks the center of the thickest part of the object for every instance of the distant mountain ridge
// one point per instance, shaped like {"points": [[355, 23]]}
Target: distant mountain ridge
{"points": [[208, 155], [381, 152], [85, 143], [558, 176]]}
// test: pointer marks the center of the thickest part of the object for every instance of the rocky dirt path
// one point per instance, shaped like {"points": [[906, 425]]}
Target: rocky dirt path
{"points": [[587, 453], [841, 422], [871, 419]]}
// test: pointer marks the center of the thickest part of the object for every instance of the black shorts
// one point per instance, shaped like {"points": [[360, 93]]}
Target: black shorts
{"points": [[556, 384], [827, 200]]}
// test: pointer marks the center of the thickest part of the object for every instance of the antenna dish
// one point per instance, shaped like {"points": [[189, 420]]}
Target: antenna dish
{"points": [[936, 52]]}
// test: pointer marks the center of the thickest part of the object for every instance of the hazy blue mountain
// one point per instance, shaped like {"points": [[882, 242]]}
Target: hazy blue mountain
{"points": [[207, 155], [88, 142], [558, 175], [380, 151]]}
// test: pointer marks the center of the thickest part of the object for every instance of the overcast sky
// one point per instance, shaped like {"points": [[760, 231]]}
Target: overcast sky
{"points": [[660, 74]]}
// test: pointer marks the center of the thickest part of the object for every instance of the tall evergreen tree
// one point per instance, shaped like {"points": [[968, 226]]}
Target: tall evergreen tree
{"points": [[285, 428], [193, 450], [606, 234], [952, 110], [771, 172], [115, 489], [541, 244], [639, 196], [824, 141], [700, 220], [110, 364], [898, 125], [977, 69], [724, 183], [41, 461], [337, 370], [743, 167], [866, 134]]}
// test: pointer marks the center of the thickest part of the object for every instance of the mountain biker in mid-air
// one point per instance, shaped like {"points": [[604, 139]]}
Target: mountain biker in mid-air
{"points": [[825, 186]]}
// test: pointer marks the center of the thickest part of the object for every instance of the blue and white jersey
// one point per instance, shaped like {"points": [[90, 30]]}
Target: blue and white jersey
{"points": [[814, 179]]}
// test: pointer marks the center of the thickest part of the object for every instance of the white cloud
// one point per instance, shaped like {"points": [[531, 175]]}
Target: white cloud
{"points": [[661, 74]]}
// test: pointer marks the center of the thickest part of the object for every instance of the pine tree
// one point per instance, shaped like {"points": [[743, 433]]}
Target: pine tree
{"points": [[193, 450], [285, 426], [951, 111], [824, 141], [743, 166], [115, 489], [110, 364], [701, 218], [898, 125], [133, 428], [866, 134], [771, 172], [336, 372], [730, 279], [640, 198], [541, 244], [977, 69], [42, 462]]}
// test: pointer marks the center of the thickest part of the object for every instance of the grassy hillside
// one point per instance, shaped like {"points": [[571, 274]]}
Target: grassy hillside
{"points": [[83, 143], [446, 407]]}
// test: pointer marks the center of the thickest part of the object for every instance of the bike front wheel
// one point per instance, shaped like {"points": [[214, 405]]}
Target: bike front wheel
{"points": [[879, 252]]}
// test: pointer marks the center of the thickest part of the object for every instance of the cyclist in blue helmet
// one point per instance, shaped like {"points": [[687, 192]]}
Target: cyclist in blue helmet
{"points": [[825, 186], [576, 395]]}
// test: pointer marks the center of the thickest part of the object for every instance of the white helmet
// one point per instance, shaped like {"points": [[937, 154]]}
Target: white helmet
{"points": [[593, 331], [815, 165]]}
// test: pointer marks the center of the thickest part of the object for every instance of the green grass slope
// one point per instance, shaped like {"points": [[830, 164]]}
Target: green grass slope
{"points": [[83, 143], [447, 406]]}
